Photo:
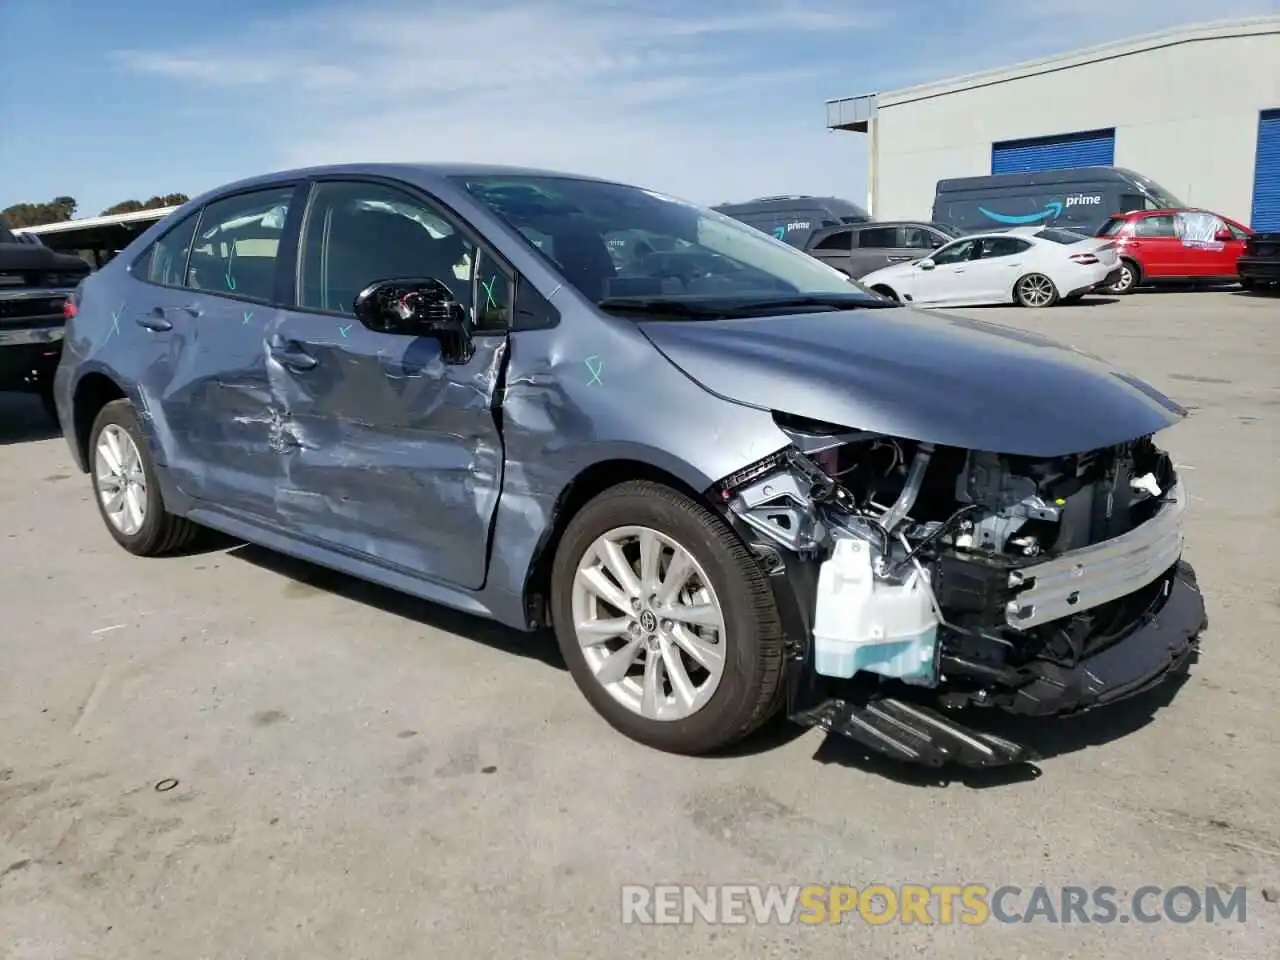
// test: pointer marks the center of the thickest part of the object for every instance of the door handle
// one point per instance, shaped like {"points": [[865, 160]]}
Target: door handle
{"points": [[155, 320], [898, 259], [293, 357]]}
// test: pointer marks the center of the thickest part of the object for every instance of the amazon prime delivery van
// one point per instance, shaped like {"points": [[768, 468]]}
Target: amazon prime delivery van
{"points": [[793, 219], [1079, 199]]}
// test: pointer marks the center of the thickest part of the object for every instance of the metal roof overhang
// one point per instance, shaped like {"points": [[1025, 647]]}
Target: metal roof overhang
{"points": [[851, 113]]}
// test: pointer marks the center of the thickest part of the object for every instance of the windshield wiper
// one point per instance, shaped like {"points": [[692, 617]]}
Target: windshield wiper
{"points": [[728, 307]]}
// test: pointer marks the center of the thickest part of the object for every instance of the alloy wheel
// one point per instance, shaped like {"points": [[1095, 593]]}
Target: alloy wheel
{"points": [[120, 479], [1035, 290], [651, 627]]}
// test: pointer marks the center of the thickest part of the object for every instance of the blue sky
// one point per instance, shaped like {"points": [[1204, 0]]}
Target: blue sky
{"points": [[712, 101]]}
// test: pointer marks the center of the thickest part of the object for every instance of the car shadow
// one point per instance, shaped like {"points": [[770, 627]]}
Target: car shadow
{"points": [[1162, 288], [23, 420], [1047, 738], [1264, 294], [540, 646]]}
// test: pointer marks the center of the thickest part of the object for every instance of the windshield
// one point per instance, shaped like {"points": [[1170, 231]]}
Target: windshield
{"points": [[1163, 198], [618, 243]]}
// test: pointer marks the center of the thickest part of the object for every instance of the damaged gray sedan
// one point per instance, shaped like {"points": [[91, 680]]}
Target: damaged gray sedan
{"points": [[732, 480]]}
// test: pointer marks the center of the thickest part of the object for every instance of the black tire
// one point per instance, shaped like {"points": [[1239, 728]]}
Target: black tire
{"points": [[1022, 296], [1129, 278], [161, 532], [749, 693], [886, 292], [1248, 283]]}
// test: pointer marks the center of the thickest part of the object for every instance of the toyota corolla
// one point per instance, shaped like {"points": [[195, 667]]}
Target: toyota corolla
{"points": [[732, 480]]}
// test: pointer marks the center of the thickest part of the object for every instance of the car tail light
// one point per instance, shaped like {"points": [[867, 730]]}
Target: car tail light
{"points": [[1084, 259], [68, 309]]}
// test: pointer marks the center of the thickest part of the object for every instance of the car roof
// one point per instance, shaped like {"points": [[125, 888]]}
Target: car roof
{"points": [[421, 173]]}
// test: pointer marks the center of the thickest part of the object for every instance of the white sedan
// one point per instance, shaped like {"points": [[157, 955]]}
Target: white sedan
{"points": [[1029, 266]]}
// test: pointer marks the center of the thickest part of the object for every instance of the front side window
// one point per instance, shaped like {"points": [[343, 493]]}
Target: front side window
{"points": [[954, 252], [165, 261], [689, 251], [235, 249], [918, 238], [355, 234]]}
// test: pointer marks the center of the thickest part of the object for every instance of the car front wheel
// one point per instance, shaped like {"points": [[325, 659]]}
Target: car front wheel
{"points": [[126, 488], [666, 621]]}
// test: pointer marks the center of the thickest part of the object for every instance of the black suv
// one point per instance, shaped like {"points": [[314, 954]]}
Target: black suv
{"points": [[857, 250], [35, 283], [1259, 267]]}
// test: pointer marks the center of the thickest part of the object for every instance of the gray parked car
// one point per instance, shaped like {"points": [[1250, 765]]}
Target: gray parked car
{"points": [[858, 250], [733, 481]]}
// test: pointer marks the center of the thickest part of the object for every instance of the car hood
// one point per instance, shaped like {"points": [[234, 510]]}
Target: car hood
{"points": [[890, 272], [933, 378]]}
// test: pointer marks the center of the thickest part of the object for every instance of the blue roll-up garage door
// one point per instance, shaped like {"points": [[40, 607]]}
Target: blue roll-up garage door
{"points": [[1266, 177], [1092, 148]]}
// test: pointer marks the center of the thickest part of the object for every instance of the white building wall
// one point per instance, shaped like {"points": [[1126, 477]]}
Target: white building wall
{"points": [[1185, 114]]}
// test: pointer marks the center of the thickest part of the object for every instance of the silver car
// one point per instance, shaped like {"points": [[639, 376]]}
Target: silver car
{"points": [[731, 480]]}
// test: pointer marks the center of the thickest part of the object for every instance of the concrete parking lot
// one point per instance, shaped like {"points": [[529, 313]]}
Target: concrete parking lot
{"points": [[363, 775]]}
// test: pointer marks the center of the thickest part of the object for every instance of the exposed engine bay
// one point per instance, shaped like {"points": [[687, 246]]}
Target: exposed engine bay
{"points": [[934, 577]]}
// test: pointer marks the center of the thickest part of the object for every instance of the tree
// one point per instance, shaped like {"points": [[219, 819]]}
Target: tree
{"points": [[35, 214], [132, 206]]}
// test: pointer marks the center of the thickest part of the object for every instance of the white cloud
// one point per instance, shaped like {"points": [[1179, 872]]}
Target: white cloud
{"points": [[635, 92], [705, 105]]}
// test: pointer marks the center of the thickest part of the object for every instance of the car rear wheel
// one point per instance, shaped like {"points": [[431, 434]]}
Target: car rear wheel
{"points": [[666, 621], [1035, 290], [884, 291], [1129, 274], [1247, 283], [126, 488]]}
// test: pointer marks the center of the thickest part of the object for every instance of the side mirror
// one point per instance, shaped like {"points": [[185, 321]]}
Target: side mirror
{"points": [[417, 307], [1222, 236], [935, 243], [925, 264]]}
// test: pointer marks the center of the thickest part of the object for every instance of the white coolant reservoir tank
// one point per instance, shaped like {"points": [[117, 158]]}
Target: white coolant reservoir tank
{"points": [[865, 624]]}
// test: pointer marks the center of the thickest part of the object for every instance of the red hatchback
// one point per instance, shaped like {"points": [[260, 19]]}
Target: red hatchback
{"points": [[1186, 244]]}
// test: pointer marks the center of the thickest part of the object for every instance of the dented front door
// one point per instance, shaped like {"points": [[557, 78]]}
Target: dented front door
{"points": [[392, 453]]}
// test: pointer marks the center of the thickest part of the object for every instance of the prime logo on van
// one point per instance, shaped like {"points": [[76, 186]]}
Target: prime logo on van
{"points": [[1052, 210]]}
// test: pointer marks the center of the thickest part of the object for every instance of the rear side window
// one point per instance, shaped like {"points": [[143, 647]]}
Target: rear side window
{"points": [[840, 240], [165, 261], [989, 247], [237, 244], [1158, 226], [1112, 227], [880, 238], [1133, 201]]}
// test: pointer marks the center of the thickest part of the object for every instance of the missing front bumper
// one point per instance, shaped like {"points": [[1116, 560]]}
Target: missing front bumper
{"points": [[1160, 647]]}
